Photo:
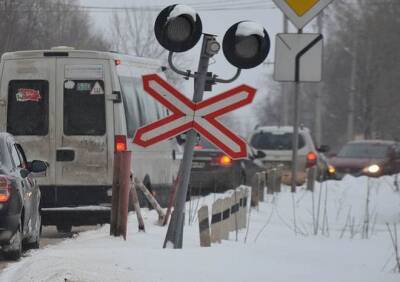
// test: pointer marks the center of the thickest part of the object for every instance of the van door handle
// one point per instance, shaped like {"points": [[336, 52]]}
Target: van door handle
{"points": [[173, 155], [65, 155]]}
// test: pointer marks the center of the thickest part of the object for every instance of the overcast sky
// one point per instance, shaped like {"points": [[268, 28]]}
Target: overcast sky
{"points": [[216, 21]]}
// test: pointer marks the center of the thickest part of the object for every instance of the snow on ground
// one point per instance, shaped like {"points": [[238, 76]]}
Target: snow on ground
{"points": [[272, 251]]}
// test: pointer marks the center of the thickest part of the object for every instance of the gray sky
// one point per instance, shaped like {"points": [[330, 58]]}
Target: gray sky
{"points": [[217, 22]]}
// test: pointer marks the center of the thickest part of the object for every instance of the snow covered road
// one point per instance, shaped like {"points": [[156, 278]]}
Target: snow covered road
{"points": [[273, 251]]}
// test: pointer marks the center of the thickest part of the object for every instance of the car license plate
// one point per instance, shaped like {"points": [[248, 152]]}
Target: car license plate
{"points": [[198, 165]]}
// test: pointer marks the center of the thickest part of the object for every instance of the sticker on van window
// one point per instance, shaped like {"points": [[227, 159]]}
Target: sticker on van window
{"points": [[28, 95], [69, 84], [84, 72], [97, 89], [84, 86]]}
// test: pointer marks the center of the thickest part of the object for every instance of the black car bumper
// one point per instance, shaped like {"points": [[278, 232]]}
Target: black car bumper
{"points": [[218, 180], [8, 226]]}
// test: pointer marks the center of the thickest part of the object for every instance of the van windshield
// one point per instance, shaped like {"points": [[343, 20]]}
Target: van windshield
{"points": [[274, 141], [28, 107], [84, 107]]}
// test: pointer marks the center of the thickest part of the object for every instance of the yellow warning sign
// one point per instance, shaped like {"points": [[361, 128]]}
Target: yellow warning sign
{"points": [[300, 7]]}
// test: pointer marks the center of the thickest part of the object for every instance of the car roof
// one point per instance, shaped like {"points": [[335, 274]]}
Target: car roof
{"points": [[280, 129], [5, 136], [374, 142]]}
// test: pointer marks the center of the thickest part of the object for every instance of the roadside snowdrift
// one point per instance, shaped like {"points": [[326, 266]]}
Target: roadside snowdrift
{"points": [[272, 252]]}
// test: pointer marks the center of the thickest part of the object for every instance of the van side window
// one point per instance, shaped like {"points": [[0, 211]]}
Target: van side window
{"points": [[84, 107], [28, 107], [131, 104]]}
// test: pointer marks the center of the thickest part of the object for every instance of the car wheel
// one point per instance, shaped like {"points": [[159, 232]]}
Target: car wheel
{"points": [[64, 228], [13, 251], [34, 241]]}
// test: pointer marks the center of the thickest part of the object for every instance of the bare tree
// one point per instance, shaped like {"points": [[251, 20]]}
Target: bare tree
{"points": [[40, 24], [132, 33]]}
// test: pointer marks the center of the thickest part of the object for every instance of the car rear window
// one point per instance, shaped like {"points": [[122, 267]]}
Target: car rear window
{"points": [[28, 107], [274, 141], [372, 151], [84, 107]]}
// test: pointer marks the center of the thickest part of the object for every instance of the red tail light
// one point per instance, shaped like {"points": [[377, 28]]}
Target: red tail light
{"points": [[5, 186], [120, 143], [311, 159], [198, 147], [117, 62], [225, 161]]}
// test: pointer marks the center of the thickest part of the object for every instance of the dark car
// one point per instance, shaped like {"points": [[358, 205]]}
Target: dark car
{"points": [[213, 171], [368, 157], [20, 222]]}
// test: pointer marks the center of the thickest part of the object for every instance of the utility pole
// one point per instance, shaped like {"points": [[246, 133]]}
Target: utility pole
{"points": [[285, 96], [318, 98], [353, 77]]}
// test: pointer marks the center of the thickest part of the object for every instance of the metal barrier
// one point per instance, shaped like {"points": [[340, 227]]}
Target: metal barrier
{"points": [[227, 215]]}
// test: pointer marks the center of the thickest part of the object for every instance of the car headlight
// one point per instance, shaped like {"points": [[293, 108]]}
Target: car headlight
{"points": [[331, 169], [372, 169]]}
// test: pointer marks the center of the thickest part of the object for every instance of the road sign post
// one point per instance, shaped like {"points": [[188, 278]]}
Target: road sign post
{"points": [[299, 58]]}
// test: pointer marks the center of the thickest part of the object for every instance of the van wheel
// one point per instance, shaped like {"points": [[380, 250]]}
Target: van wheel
{"points": [[13, 251], [64, 228]]}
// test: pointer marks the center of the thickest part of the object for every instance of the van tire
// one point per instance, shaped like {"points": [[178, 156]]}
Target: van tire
{"points": [[64, 228]]}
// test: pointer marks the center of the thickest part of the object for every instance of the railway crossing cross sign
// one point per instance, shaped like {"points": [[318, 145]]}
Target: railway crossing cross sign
{"points": [[201, 116], [300, 12]]}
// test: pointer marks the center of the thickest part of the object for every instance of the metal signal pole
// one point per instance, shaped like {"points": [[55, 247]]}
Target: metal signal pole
{"points": [[174, 237]]}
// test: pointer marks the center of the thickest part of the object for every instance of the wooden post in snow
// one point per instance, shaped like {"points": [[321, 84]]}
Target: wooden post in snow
{"points": [[115, 195], [134, 198], [204, 227], [216, 221], [153, 202]]}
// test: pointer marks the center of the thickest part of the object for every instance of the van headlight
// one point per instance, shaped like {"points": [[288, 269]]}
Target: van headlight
{"points": [[372, 169]]}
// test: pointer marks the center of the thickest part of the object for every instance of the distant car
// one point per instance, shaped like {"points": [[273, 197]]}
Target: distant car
{"points": [[213, 171], [276, 142], [20, 221], [368, 157]]}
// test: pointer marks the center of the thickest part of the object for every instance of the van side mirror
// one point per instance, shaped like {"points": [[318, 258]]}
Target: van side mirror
{"points": [[259, 155], [38, 166], [24, 173], [323, 148], [181, 139]]}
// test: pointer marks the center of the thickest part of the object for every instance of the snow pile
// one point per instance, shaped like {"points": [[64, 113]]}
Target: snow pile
{"points": [[247, 28], [269, 251], [180, 10]]}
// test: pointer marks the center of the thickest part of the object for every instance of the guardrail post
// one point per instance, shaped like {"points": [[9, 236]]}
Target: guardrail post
{"points": [[216, 221], [226, 211], [255, 193], [204, 227], [311, 177]]}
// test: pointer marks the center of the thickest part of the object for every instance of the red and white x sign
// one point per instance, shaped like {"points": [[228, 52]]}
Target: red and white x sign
{"points": [[200, 116]]}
